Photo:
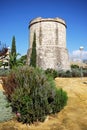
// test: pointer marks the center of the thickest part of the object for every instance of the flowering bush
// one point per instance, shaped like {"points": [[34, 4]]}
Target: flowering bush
{"points": [[34, 95]]}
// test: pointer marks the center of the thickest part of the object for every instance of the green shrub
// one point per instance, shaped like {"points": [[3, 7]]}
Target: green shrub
{"points": [[60, 100], [51, 72], [85, 72], [5, 109], [61, 73], [1, 63], [9, 83], [74, 66], [4, 72], [68, 73], [76, 72], [35, 95]]}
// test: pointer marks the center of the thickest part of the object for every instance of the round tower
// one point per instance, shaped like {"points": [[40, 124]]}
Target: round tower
{"points": [[50, 43]]}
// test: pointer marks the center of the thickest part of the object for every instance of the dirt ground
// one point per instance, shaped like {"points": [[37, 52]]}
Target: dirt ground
{"points": [[72, 117]]}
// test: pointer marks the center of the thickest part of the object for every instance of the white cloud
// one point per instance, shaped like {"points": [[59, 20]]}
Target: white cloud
{"points": [[77, 55]]}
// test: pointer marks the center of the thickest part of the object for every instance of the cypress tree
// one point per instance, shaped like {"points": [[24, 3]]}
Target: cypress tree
{"points": [[13, 48], [33, 54], [13, 54]]}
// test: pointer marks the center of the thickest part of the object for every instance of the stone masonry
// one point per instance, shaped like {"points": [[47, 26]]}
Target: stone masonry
{"points": [[50, 43]]}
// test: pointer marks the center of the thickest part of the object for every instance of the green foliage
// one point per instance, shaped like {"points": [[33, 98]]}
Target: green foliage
{"points": [[68, 73], [79, 71], [85, 72], [14, 63], [22, 59], [51, 72], [35, 95], [13, 48], [5, 109], [1, 63], [9, 83], [33, 54], [4, 72], [13, 55], [62, 73], [60, 100], [74, 66], [76, 72]]}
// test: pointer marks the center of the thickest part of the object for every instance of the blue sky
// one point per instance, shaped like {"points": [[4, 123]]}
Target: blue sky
{"points": [[15, 16]]}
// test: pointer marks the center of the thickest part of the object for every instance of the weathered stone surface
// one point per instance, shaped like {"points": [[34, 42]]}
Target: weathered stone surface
{"points": [[50, 43]]}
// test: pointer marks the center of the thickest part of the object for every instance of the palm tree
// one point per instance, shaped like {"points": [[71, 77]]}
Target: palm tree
{"points": [[12, 61]]}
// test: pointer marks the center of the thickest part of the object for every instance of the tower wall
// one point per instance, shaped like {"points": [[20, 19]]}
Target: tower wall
{"points": [[50, 43]]}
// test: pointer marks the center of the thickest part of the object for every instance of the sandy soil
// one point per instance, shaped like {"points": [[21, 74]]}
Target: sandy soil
{"points": [[1, 88], [72, 117]]}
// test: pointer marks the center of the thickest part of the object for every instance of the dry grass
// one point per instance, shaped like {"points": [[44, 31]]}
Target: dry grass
{"points": [[72, 117], [1, 88]]}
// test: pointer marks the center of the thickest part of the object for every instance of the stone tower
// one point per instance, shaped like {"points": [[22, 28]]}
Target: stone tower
{"points": [[50, 43]]}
